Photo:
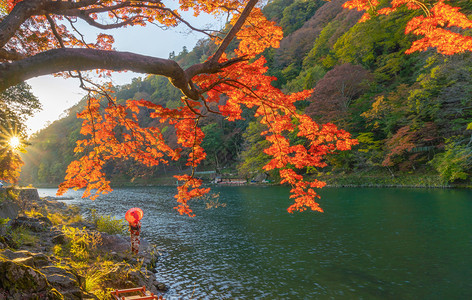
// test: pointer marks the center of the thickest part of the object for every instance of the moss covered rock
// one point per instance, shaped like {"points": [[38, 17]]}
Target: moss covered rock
{"points": [[19, 281]]}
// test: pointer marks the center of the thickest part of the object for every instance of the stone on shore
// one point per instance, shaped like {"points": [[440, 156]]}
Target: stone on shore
{"points": [[34, 224], [19, 281], [64, 280]]}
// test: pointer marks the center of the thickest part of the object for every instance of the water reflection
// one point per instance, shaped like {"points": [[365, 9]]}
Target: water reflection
{"points": [[369, 243]]}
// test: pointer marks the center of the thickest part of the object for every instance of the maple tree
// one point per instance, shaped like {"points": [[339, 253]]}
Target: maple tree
{"points": [[10, 163], [437, 23], [39, 37], [334, 93]]}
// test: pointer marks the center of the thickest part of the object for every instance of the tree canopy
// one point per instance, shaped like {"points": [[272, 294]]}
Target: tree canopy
{"points": [[39, 37]]}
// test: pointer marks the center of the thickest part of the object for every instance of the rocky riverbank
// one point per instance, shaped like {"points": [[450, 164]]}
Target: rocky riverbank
{"points": [[48, 251]]}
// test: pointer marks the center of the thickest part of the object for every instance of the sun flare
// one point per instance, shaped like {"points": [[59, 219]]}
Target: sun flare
{"points": [[14, 142]]}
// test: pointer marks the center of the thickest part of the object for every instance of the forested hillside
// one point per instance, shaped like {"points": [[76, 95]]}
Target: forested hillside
{"points": [[412, 114]]}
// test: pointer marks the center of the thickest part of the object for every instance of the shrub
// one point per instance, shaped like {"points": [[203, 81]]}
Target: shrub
{"points": [[80, 242], [107, 224], [3, 221], [454, 163], [8, 194], [33, 213]]}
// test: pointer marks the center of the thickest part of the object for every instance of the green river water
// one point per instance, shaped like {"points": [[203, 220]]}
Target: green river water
{"points": [[368, 244]]}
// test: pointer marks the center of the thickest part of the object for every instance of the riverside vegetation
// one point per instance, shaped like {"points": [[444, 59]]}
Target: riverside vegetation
{"points": [[49, 251]]}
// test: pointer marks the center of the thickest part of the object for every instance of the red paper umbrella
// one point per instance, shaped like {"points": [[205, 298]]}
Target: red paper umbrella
{"points": [[133, 215]]}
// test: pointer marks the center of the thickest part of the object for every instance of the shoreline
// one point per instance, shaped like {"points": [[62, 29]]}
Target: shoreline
{"points": [[328, 185], [371, 179], [49, 251]]}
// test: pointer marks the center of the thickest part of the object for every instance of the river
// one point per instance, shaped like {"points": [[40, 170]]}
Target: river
{"points": [[368, 244]]}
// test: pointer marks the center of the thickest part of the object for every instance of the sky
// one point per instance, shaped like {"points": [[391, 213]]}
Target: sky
{"points": [[57, 94]]}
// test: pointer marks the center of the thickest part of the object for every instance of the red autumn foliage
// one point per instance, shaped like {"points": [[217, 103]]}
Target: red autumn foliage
{"points": [[10, 164], [437, 24]]}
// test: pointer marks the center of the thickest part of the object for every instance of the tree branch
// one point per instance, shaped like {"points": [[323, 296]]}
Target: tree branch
{"points": [[187, 23], [54, 31], [104, 8], [10, 55], [20, 13], [232, 33], [92, 22], [59, 60], [212, 63], [74, 5], [211, 67]]}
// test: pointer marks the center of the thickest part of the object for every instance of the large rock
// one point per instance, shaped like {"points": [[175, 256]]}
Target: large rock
{"points": [[37, 260], [64, 280], [120, 244], [9, 254], [19, 281], [28, 194], [34, 224], [9, 209]]}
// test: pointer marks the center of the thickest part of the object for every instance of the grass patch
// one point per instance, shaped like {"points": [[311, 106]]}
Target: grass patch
{"points": [[107, 224], [21, 236], [64, 217], [96, 276]]}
